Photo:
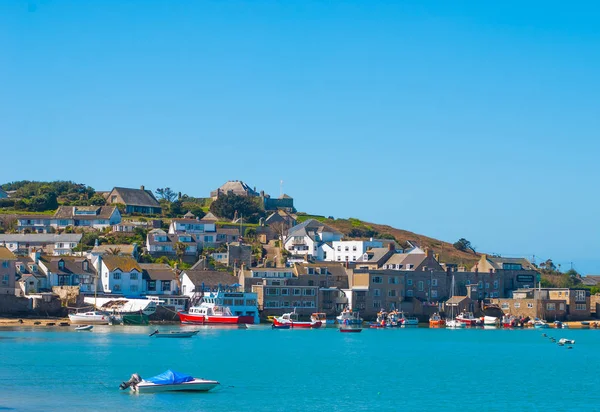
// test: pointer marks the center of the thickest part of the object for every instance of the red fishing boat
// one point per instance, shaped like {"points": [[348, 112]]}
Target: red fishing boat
{"points": [[468, 319]]}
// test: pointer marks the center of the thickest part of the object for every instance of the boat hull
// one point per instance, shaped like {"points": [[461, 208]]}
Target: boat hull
{"points": [[175, 334], [350, 330], [89, 320], [187, 318], [197, 385], [296, 325]]}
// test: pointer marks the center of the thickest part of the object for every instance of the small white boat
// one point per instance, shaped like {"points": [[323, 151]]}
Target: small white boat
{"points": [[88, 318], [564, 341], [174, 334], [490, 320], [168, 381], [454, 324], [84, 327]]}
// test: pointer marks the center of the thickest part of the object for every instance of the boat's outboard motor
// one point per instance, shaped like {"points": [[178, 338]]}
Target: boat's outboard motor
{"points": [[134, 380]]}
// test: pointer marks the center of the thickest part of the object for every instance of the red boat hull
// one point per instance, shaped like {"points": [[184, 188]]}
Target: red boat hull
{"points": [[204, 320], [350, 330]]}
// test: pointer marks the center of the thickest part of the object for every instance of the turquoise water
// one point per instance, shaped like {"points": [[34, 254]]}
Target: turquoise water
{"points": [[302, 370]]}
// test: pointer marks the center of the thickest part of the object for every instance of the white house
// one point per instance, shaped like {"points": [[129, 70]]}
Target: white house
{"points": [[54, 244], [193, 226], [312, 238], [159, 243], [120, 274], [96, 217], [351, 250]]}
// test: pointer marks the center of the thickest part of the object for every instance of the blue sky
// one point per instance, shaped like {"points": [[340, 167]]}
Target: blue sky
{"points": [[449, 119]]}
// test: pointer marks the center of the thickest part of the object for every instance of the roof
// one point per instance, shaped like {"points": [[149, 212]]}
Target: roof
{"points": [[497, 262], [455, 300], [41, 238], [99, 212], [124, 263], [237, 187], [189, 215], [137, 197], [157, 271], [375, 255], [171, 239], [334, 268], [72, 265], [6, 254], [284, 196], [228, 231], [210, 278], [123, 249], [310, 226], [209, 217], [591, 280]]}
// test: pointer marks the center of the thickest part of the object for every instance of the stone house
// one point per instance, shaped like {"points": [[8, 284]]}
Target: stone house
{"points": [[68, 271], [548, 303], [372, 290], [139, 201]]}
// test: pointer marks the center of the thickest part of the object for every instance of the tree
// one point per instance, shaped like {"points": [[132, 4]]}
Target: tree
{"points": [[229, 205], [250, 233], [166, 194], [180, 248], [463, 245], [548, 266], [280, 229]]}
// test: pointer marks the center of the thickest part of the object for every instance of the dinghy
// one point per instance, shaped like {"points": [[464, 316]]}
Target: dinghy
{"points": [[174, 334], [84, 327]]}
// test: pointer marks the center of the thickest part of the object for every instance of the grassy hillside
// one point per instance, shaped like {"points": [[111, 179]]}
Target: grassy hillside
{"points": [[355, 228]]}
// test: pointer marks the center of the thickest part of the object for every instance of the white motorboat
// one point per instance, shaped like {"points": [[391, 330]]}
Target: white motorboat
{"points": [[490, 320], [88, 318], [174, 334], [564, 341], [85, 327], [168, 381], [454, 324]]}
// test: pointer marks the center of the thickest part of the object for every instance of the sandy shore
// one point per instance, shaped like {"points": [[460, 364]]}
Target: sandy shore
{"points": [[16, 322]]}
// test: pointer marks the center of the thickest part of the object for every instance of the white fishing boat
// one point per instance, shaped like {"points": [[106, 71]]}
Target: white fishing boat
{"points": [[168, 381], [91, 317]]}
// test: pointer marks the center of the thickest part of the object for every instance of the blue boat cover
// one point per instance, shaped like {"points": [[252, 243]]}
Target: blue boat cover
{"points": [[170, 377]]}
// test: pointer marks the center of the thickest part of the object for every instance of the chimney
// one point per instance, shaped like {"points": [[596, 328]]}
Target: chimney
{"points": [[142, 187], [392, 247], [429, 252]]}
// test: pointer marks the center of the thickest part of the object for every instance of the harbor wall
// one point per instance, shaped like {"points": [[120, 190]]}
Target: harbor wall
{"points": [[42, 306]]}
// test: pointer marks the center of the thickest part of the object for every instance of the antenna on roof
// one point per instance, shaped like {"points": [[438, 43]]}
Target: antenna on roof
{"points": [[280, 188]]}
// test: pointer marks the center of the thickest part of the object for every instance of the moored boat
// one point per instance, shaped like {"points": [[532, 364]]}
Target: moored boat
{"points": [[347, 317], [468, 319], [540, 324], [291, 319], [490, 321], [174, 334], [407, 320], [90, 317], [319, 317], [351, 329], [436, 320], [168, 381], [85, 327], [223, 307]]}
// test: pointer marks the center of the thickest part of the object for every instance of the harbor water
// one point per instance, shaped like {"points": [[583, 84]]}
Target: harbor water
{"points": [[261, 369]]}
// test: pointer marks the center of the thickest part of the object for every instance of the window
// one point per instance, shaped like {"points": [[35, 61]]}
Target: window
{"points": [[346, 248], [409, 266], [409, 293], [117, 288], [116, 276], [530, 305], [580, 306], [562, 306], [480, 284], [133, 276], [550, 306], [339, 248], [5, 280], [434, 282], [434, 294], [376, 292], [165, 285], [487, 285], [580, 296], [377, 279], [393, 280], [495, 284], [409, 282], [505, 305], [285, 292], [354, 248], [309, 292], [392, 293], [420, 286], [133, 288], [517, 305], [297, 292], [152, 286], [272, 292], [376, 304]]}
